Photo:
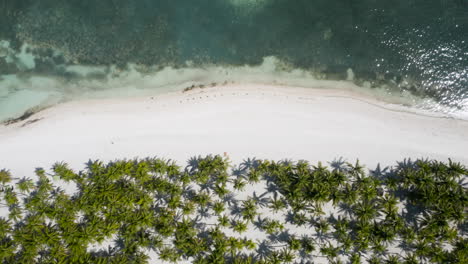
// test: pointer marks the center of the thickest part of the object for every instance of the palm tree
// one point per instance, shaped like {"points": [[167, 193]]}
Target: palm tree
{"points": [[5, 227], [337, 196], [15, 213], [410, 258], [234, 246], [379, 248], [438, 255], [350, 194], [365, 211], [25, 185], [272, 226], [287, 256], [329, 251], [322, 226], [239, 226], [253, 176], [277, 204], [202, 199], [5, 176], [393, 259], [341, 226], [389, 204], [374, 260], [298, 219], [356, 170], [367, 187], [249, 209], [188, 208], [422, 249], [221, 190], [218, 207], [347, 242], [355, 258], [458, 254], [239, 184], [10, 196], [249, 244], [294, 243], [307, 244], [363, 235], [274, 257], [62, 171], [223, 221], [169, 254]]}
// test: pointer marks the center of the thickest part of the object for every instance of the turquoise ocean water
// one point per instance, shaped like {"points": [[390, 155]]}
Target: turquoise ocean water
{"points": [[52, 51]]}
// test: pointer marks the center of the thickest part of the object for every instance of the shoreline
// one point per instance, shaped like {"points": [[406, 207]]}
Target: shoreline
{"points": [[351, 92], [245, 121]]}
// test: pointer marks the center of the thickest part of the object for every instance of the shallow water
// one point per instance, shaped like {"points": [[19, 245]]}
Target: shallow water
{"points": [[54, 50]]}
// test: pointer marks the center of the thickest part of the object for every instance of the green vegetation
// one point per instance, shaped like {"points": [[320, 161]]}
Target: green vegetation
{"points": [[260, 212]]}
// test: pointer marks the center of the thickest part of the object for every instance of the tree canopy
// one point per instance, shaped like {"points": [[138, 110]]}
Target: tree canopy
{"points": [[210, 211]]}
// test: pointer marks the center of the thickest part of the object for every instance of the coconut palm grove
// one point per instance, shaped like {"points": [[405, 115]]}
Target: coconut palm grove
{"points": [[259, 211]]}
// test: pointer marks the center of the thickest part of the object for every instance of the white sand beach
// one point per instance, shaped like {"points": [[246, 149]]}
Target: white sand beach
{"points": [[244, 121]]}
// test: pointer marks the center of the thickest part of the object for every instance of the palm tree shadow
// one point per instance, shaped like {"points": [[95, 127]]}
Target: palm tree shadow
{"points": [[104, 253], [264, 249], [338, 164], [273, 188], [409, 164], [380, 173], [238, 172], [306, 259], [230, 199], [345, 209], [284, 236], [260, 222], [188, 192], [204, 212], [236, 210], [193, 164], [290, 217], [249, 163], [261, 200], [463, 227]]}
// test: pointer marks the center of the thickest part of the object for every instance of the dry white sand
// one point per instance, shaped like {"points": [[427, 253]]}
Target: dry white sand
{"points": [[245, 121], [242, 120]]}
